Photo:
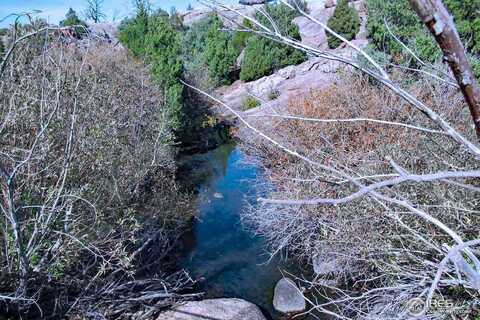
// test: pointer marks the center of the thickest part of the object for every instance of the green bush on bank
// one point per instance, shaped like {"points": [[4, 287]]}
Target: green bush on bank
{"points": [[156, 39], [263, 56], [220, 54], [163, 54], [344, 21], [250, 103]]}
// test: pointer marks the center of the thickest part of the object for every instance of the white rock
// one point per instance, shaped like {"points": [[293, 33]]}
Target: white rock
{"points": [[288, 72], [287, 298], [218, 309]]}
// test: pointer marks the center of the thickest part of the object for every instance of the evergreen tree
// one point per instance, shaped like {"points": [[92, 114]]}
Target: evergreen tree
{"points": [[263, 56], [345, 21], [132, 32], [163, 52], [220, 55]]}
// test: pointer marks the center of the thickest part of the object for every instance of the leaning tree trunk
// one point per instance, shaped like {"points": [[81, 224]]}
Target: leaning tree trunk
{"points": [[440, 23]]}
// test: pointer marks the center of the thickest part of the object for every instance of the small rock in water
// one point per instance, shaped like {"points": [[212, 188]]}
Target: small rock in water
{"points": [[218, 195], [287, 297]]}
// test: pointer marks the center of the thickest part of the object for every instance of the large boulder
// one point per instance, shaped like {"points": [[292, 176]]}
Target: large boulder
{"points": [[218, 309], [287, 297]]}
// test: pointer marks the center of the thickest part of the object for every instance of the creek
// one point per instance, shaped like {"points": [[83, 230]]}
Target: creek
{"points": [[227, 257]]}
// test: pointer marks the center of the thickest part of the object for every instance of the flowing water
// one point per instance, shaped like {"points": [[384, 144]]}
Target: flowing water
{"points": [[228, 258]]}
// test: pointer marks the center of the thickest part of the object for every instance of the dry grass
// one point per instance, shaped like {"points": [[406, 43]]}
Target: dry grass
{"points": [[383, 246]]}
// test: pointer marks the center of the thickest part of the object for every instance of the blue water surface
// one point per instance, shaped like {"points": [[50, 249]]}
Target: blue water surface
{"points": [[229, 259]]}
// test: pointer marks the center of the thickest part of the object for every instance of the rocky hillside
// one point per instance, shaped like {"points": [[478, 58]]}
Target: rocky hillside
{"points": [[296, 80]]}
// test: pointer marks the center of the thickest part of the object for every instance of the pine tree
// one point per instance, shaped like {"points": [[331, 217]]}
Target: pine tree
{"points": [[163, 52], [220, 55], [345, 21]]}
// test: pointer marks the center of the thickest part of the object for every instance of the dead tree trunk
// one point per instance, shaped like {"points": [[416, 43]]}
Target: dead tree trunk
{"points": [[440, 23]]}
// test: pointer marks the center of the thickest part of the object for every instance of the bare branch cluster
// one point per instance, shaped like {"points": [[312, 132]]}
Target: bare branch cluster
{"points": [[84, 141], [377, 173]]}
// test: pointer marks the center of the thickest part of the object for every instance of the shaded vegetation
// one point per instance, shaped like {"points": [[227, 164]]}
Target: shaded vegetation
{"points": [[220, 53], [344, 21], [408, 28], [154, 38], [263, 56]]}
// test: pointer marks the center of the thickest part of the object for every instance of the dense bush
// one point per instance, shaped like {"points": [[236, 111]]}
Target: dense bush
{"points": [[163, 54], [408, 28], [92, 142], [344, 21], [220, 54], [193, 53], [131, 33], [155, 39], [263, 56], [239, 40]]}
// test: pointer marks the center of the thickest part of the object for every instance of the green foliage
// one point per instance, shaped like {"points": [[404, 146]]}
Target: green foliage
{"points": [[250, 103], [131, 33], [194, 38], [258, 60], [408, 28], [344, 21], [163, 53], [239, 40], [72, 19], [220, 54], [467, 19], [154, 38], [263, 56]]}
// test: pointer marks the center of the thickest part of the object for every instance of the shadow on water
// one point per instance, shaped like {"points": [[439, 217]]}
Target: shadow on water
{"points": [[229, 259]]}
